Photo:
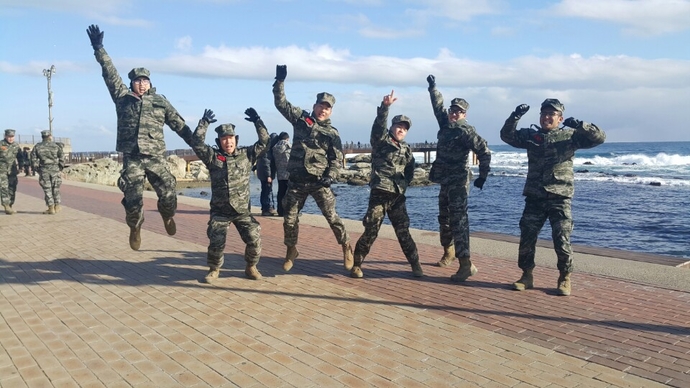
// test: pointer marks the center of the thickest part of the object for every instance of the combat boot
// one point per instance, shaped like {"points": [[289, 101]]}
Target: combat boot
{"points": [[252, 272], [417, 269], [290, 257], [170, 226], [8, 209], [466, 270], [348, 259], [448, 256], [135, 238], [212, 275], [525, 282], [58, 208], [563, 284], [51, 210], [356, 272]]}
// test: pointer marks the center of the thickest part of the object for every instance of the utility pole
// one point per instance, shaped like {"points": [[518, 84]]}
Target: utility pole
{"points": [[49, 73]]}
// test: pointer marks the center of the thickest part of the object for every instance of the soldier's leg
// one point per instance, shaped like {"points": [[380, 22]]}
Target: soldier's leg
{"points": [[5, 189], [326, 201], [372, 224], [401, 224], [445, 232], [217, 232], [131, 183], [561, 220], [250, 232], [56, 182], [532, 220], [164, 183], [44, 181], [12, 186], [459, 223], [294, 201]]}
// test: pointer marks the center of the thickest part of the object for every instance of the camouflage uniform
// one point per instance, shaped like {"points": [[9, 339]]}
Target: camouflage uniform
{"points": [[264, 170], [140, 138], [230, 192], [316, 152], [549, 187], [392, 171], [47, 159], [281, 156], [451, 170], [10, 155]]}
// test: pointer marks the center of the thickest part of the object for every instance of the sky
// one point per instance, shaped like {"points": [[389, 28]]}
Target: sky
{"points": [[621, 64]]}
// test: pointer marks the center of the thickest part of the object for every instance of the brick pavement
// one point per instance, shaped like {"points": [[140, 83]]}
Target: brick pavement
{"points": [[79, 308]]}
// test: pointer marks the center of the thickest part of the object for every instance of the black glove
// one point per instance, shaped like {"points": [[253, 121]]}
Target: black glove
{"points": [[253, 116], [281, 72], [572, 122], [96, 36], [520, 110], [479, 182], [431, 80], [209, 116], [326, 181]]}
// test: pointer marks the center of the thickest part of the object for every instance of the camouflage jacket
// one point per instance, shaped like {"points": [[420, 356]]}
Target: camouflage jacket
{"points": [[229, 172], [47, 157], [281, 156], [140, 120], [550, 155], [455, 140], [10, 157], [264, 165], [392, 163], [316, 148]]}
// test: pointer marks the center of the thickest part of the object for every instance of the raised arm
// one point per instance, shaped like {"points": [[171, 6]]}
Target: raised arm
{"points": [[379, 130], [261, 145], [436, 101], [291, 113], [509, 133], [113, 81], [586, 135], [198, 139]]}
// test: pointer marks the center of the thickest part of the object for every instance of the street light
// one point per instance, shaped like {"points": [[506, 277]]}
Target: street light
{"points": [[49, 73]]}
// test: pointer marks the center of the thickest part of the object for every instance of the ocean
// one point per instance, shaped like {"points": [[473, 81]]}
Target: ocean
{"points": [[628, 196]]}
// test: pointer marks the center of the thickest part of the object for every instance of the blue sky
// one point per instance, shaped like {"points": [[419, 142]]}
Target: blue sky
{"points": [[622, 64]]}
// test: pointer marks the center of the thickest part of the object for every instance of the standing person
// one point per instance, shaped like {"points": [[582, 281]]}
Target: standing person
{"points": [[47, 158], [281, 156], [456, 138], [315, 161], [549, 187], [392, 170], [266, 174], [26, 161], [10, 157], [141, 114], [229, 167]]}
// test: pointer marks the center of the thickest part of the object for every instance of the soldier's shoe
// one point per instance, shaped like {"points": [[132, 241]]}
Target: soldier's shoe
{"points": [[417, 270], [251, 272], [9, 210], [448, 256], [466, 270], [290, 257], [563, 284], [348, 258], [135, 238], [58, 208], [170, 226], [212, 275], [356, 272], [51, 210], [266, 213], [525, 282]]}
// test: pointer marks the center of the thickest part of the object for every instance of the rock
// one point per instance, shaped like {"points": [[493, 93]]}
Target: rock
{"points": [[360, 158], [655, 183], [178, 166], [360, 166], [588, 163], [104, 171]]}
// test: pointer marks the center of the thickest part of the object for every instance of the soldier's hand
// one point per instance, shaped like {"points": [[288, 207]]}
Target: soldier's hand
{"points": [[96, 36], [326, 181], [281, 72], [209, 116], [431, 80], [520, 110], [389, 99], [252, 115], [572, 122], [479, 182]]}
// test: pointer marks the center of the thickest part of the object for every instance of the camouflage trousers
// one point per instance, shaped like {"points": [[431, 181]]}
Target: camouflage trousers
{"points": [[382, 203], [293, 203], [138, 168], [452, 218], [536, 211], [217, 231], [50, 181], [8, 188]]}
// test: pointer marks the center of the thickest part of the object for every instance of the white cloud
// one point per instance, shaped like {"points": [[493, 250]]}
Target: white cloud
{"points": [[456, 10], [184, 43], [101, 11]]}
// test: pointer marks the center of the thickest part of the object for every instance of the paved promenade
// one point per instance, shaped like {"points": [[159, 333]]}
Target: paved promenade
{"points": [[79, 308]]}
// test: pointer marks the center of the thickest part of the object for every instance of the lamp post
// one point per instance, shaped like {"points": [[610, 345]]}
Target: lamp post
{"points": [[49, 73]]}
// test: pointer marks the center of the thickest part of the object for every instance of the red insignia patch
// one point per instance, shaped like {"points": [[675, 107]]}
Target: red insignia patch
{"points": [[221, 158], [309, 121]]}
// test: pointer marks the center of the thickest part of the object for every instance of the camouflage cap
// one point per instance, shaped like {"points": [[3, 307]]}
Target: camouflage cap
{"points": [[325, 97], [460, 103], [45, 133], [138, 72], [225, 130], [553, 104], [402, 119], [9, 132]]}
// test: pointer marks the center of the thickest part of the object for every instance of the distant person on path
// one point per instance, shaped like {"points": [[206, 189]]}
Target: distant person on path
{"points": [[281, 156], [48, 159], [392, 170], [10, 157], [141, 114], [315, 161], [455, 139], [26, 162], [549, 187], [230, 167], [266, 174]]}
